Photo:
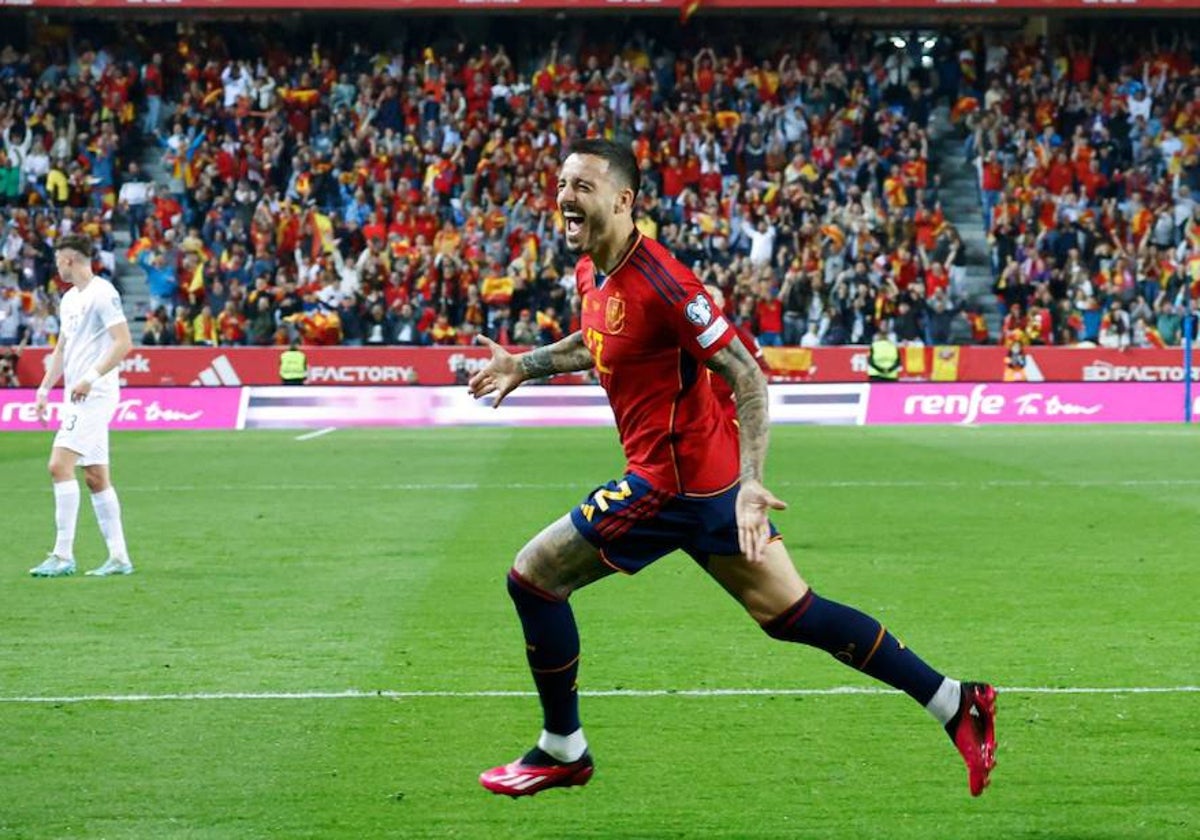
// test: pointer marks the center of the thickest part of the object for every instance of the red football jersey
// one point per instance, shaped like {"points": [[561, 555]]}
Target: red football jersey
{"points": [[651, 327]]}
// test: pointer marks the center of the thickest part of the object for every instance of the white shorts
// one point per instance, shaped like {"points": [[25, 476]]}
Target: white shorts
{"points": [[84, 427]]}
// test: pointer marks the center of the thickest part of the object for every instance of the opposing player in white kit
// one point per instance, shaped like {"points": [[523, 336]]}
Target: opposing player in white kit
{"points": [[93, 340]]}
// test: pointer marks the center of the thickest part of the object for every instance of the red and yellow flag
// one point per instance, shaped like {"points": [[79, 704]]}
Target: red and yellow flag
{"points": [[497, 290], [136, 249], [914, 360]]}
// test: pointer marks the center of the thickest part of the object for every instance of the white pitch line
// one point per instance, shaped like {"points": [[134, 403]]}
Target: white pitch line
{"points": [[317, 433], [357, 694], [469, 486]]}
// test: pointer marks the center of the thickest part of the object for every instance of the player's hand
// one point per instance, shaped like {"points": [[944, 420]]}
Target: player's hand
{"points": [[79, 392], [42, 407], [499, 376], [754, 530]]}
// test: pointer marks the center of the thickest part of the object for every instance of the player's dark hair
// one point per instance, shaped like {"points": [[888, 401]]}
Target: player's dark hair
{"points": [[80, 243], [619, 156]]}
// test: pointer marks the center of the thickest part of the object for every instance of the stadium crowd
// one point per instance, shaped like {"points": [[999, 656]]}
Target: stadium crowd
{"points": [[1088, 173], [366, 195], [65, 122]]}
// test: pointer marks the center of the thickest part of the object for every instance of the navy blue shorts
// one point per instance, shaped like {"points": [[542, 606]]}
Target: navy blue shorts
{"points": [[633, 524]]}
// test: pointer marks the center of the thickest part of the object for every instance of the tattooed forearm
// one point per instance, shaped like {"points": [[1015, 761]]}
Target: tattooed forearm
{"points": [[572, 354], [568, 354], [753, 422], [537, 363], [749, 385]]}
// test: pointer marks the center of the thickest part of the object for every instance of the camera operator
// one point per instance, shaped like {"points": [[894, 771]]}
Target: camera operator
{"points": [[8, 367]]}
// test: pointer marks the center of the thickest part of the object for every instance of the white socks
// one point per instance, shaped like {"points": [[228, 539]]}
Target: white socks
{"points": [[108, 514], [946, 701], [66, 510], [566, 748]]}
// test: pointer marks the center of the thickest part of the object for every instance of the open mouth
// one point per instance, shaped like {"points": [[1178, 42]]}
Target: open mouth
{"points": [[573, 222]]}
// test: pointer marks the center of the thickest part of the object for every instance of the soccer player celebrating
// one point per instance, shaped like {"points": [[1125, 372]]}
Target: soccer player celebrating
{"points": [[94, 338], [693, 482]]}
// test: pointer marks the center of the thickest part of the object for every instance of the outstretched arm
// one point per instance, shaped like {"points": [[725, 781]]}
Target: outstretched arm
{"points": [[741, 371], [563, 356], [505, 371]]}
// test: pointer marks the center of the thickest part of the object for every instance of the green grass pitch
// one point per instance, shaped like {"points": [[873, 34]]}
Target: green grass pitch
{"points": [[1038, 558]]}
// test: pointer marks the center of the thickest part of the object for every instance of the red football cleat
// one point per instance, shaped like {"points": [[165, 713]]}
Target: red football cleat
{"points": [[974, 733], [524, 777]]}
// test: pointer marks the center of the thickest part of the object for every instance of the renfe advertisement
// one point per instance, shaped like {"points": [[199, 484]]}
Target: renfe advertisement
{"points": [[1012, 402], [139, 408], [586, 405]]}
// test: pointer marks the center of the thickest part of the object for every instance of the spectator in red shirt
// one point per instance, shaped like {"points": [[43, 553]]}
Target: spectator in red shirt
{"points": [[231, 324], [768, 316], [992, 186]]}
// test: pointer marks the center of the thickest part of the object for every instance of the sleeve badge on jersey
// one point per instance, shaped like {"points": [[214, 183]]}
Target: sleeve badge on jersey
{"points": [[699, 311], [709, 337], [115, 302]]}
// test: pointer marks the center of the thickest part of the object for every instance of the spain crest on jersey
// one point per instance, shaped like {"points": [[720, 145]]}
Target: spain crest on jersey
{"points": [[614, 315]]}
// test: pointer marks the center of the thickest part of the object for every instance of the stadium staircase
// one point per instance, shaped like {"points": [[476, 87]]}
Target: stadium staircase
{"points": [[135, 293], [959, 194]]}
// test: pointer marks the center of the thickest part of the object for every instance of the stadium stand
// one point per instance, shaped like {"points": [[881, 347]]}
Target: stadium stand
{"points": [[1086, 154], [267, 189]]}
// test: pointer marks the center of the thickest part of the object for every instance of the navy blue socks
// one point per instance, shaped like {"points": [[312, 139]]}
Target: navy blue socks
{"points": [[857, 640], [552, 647]]}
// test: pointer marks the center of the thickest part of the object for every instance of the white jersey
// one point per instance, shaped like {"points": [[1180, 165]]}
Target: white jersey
{"points": [[85, 316]]}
